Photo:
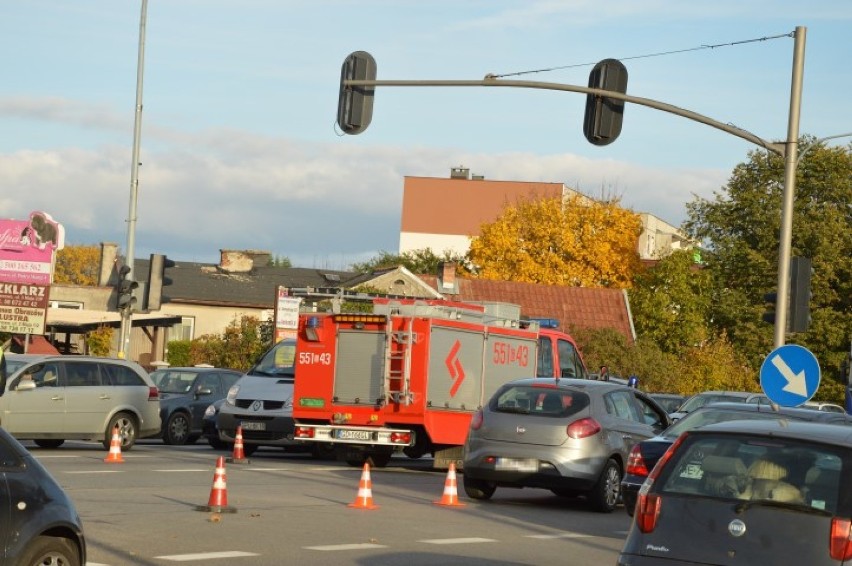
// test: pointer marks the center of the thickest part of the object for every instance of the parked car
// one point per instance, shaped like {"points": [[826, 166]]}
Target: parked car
{"points": [[707, 397], [744, 493], [52, 398], [645, 454], [185, 393], [209, 430], [821, 406], [570, 436], [668, 401], [40, 524]]}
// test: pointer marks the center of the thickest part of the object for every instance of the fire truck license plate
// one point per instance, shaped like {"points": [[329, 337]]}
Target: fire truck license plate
{"points": [[354, 435], [253, 425], [516, 464]]}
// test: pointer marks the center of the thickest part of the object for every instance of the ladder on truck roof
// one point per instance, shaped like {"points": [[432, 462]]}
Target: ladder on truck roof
{"points": [[398, 363]]}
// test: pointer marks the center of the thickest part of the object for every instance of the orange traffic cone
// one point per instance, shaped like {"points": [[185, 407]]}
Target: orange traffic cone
{"points": [[365, 491], [218, 501], [114, 456], [451, 490], [239, 456]]}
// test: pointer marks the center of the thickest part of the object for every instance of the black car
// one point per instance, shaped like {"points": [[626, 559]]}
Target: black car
{"points": [[209, 430], [38, 521], [645, 454], [185, 393], [743, 493]]}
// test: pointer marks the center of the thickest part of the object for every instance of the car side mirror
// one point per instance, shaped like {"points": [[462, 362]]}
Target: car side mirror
{"points": [[203, 391], [25, 385]]}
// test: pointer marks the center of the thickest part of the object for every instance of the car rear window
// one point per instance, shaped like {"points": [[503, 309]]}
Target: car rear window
{"points": [[758, 470], [115, 374], [539, 401]]}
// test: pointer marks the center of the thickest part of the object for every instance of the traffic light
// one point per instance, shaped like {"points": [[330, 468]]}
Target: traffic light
{"points": [[771, 299], [355, 105], [157, 279], [125, 299], [602, 123], [800, 294]]}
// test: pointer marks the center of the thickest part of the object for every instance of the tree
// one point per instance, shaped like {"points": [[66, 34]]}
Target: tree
{"points": [[671, 303], [577, 242], [77, 265], [243, 341], [741, 226], [416, 261]]}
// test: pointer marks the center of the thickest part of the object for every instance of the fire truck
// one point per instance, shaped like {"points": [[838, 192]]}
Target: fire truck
{"points": [[409, 375]]}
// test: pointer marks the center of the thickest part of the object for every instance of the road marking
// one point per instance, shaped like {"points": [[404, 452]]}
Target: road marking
{"points": [[206, 556], [183, 470], [362, 546], [468, 540], [94, 472], [560, 535]]}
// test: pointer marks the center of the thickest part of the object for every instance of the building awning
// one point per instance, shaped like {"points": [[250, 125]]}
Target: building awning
{"points": [[80, 321]]}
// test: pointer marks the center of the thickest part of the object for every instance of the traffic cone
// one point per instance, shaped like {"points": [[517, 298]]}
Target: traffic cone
{"points": [[114, 456], [218, 501], [365, 491], [239, 456], [451, 490]]}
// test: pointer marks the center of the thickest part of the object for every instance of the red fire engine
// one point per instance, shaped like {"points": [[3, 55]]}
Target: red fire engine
{"points": [[409, 375]]}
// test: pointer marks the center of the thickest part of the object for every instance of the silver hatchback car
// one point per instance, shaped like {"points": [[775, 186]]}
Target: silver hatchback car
{"points": [[570, 436], [53, 398]]}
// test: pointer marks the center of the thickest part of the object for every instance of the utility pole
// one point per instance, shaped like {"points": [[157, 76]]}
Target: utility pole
{"points": [[126, 314]]}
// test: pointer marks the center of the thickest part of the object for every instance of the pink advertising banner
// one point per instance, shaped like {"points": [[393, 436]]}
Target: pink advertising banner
{"points": [[27, 247]]}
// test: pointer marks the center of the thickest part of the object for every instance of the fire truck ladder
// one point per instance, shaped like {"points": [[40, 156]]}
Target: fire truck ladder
{"points": [[398, 364]]}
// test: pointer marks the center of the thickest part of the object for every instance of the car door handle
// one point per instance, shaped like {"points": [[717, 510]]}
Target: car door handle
{"points": [[104, 396], [57, 398]]}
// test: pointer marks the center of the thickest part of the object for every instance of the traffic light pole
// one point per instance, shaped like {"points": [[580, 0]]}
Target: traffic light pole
{"points": [[788, 149], [126, 314]]}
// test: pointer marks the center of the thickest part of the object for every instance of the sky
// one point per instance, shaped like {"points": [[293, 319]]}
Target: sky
{"points": [[238, 145]]}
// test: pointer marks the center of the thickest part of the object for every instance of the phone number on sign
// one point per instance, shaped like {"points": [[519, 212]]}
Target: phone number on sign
{"points": [[506, 354]]}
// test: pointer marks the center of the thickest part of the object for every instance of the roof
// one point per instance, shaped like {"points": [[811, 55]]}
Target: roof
{"points": [[37, 344], [574, 307], [800, 430], [73, 320]]}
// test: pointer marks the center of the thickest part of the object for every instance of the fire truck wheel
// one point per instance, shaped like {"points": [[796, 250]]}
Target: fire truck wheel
{"points": [[478, 489], [379, 459]]}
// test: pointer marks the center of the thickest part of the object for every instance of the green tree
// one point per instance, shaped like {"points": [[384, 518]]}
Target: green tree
{"points": [[239, 346], [577, 241], [77, 265], [416, 261], [741, 226]]}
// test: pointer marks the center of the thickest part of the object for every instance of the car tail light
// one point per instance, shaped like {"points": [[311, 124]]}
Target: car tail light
{"points": [[400, 438], [477, 420], [153, 394], [583, 428], [635, 463], [303, 432], [840, 542], [648, 504]]}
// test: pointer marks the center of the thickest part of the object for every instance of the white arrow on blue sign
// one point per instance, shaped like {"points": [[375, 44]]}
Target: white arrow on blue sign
{"points": [[790, 375]]}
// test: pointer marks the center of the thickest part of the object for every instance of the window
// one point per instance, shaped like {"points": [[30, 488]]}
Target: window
{"points": [[569, 362], [183, 331], [620, 404], [116, 374], [545, 358], [44, 375], [82, 374]]}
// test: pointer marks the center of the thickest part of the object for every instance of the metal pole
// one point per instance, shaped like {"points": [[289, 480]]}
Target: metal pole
{"points": [[126, 314], [790, 160]]}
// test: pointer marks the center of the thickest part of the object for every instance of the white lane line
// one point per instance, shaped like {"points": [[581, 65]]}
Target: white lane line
{"points": [[468, 540], [183, 470], [206, 556], [332, 547], [560, 535], [95, 564], [94, 472]]}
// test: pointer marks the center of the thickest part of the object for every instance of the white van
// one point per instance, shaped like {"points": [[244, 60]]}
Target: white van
{"points": [[261, 401]]}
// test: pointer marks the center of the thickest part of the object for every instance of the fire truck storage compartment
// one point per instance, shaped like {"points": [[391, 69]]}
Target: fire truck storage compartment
{"points": [[358, 378], [467, 367]]}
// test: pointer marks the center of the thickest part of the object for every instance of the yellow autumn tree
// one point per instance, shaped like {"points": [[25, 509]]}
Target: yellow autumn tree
{"points": [[77, 265], [575, 241]]}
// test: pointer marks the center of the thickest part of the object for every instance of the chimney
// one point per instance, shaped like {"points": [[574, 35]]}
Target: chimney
{"points": [[235, 261], [447, 282], [106, 269]]}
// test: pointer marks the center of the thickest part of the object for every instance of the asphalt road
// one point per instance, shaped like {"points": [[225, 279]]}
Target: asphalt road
{"points": [[292, 509]]}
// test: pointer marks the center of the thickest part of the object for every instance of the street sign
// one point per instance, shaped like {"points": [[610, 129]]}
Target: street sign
{"points": [[790, 375]]}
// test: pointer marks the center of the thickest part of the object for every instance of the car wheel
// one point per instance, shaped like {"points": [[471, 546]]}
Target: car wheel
{"points": [[51, 550], [605, 495], [126, 431], [479, 489], [49, 442], [176, 431]]}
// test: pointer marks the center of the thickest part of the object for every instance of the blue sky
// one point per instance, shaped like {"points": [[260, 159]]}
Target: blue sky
{"points": [[238, 144]]}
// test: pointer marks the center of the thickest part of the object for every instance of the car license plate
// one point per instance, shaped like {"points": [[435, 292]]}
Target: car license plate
{"points": [[516, 464], [354, 435], [252, 425]]}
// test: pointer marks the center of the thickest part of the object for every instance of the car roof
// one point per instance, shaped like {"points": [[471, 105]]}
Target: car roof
{"points": [[196, 369], [799, 412], [797, 430], [729, 393], [589, 384], [667, 395]]}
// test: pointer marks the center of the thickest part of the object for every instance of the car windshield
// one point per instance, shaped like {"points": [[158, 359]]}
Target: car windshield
{"points": [[278, 361], [757, 471], [171, 381], [13, 365], [528, 399], [710, 415]]}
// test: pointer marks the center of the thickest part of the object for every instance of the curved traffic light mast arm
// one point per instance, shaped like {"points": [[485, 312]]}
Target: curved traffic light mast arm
{"points": [[778, 148]]}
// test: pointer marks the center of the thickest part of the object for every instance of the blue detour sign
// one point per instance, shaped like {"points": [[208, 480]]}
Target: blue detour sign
{"points": [[790, 375]]}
